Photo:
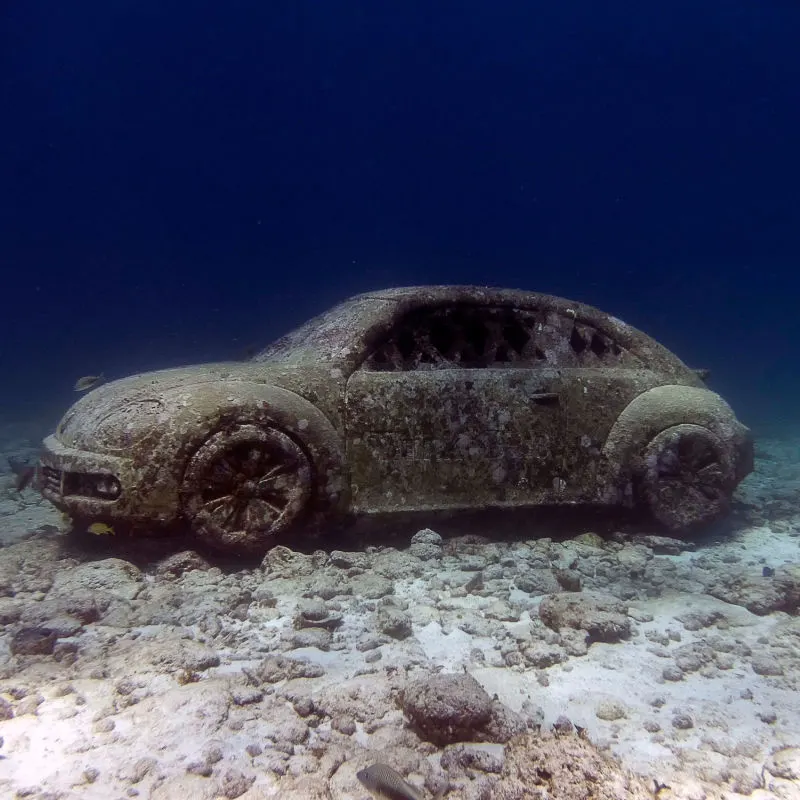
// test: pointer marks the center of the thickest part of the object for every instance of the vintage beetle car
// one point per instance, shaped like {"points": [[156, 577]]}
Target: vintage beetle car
{"points": [[408, 399]]}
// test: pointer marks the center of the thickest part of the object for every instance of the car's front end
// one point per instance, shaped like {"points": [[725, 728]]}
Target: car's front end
{"points": [[91, 485], [109, 458], [120, 453]]}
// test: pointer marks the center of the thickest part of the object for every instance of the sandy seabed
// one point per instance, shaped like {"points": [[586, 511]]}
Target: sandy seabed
{"points": [[528, 666]]}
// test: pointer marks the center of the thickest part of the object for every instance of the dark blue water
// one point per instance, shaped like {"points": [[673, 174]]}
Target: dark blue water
{"points": [[180, 181]]}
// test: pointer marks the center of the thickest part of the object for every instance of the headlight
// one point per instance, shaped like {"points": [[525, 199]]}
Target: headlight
{"points": [[102, 486]]}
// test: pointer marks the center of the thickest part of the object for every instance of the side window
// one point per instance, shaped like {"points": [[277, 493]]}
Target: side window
{"points": [[422, 340], [565, 342], [475, 337]]}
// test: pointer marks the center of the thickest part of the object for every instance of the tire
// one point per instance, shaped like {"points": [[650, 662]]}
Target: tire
{"points": [[244, 485], [688, 477]]}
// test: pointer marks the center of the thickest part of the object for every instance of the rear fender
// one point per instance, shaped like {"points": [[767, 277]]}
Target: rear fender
{"points": [[657, 409]]}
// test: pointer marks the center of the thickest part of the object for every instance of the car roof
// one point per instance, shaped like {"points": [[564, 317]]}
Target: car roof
{"points": [[340, 335]]}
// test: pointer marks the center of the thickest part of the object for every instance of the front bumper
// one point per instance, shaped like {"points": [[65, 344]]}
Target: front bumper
{"points": [[95, 485]]}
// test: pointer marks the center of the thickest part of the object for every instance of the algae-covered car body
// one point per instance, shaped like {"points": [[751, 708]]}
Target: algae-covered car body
{"points": [[413, 399]]}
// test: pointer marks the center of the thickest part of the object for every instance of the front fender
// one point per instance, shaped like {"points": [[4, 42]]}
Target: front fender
{"points": [[204, 409]]}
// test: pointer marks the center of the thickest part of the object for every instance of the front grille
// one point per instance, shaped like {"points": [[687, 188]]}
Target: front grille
{"points": [[51, 479], [64, 484]]}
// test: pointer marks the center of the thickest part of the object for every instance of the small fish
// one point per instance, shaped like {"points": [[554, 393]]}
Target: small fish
{"points": [[100, 529], [25, 473], [385, 783], [474, 583], [88, 382]]}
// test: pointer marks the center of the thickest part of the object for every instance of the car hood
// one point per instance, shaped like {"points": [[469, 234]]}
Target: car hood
{"points": [[121, 413]]}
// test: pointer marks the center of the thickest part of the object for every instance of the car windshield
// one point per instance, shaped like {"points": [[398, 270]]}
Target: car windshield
{"points": [[335, 337]]}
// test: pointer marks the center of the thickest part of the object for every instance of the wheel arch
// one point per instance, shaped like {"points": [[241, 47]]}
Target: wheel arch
{"points": [[660, 408], [210, 408]]}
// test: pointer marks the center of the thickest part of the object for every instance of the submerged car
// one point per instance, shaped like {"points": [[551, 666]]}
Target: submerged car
{"points": [[404, 400]]}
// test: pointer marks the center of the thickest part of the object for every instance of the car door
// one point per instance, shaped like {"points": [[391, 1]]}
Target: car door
{"points": [[439, 416]]}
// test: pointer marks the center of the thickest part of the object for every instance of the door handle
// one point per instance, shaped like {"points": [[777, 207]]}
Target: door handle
{"points": [[545, 399]]}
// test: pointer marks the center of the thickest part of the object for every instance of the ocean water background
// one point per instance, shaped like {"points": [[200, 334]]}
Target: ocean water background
{"points": [[183, 181]]}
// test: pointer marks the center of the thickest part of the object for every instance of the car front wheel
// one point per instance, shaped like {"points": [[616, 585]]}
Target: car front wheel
{"points": [[688, 477], [244, 485]]}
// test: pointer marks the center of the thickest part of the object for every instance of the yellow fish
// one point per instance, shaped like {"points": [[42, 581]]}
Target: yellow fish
{"points": [[100, 529]]}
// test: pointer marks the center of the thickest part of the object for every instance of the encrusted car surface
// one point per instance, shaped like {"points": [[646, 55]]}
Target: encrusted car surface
{"points": [[439, 397]]}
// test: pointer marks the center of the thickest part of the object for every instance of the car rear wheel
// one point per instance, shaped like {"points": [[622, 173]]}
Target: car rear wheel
{"points": [[244, 485], [688, 477]]}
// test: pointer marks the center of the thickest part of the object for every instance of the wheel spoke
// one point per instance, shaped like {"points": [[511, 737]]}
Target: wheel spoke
{"points": [[214, 503], [222, 513], [276, 471], [269, 493], [711, 474], [260, 512]]}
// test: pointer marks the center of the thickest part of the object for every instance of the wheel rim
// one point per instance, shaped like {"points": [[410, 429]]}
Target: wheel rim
{"points": [[688, 476], [245, 485]]}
